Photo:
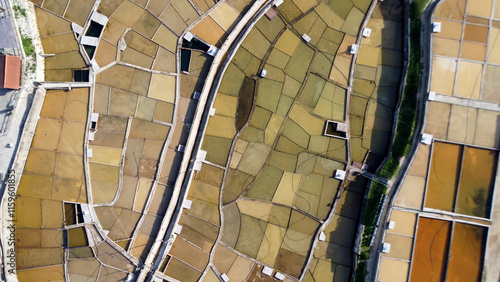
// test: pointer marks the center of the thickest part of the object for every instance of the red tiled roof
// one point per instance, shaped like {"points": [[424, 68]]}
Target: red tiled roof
{"points": [[10, 72]]}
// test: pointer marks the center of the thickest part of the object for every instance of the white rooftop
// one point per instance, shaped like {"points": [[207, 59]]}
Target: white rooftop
{"points": [[322, 236], [432, 96], [267, 271], [178, 229], [279, 276], [224, 277], [426, 139], [436, 27], [212, 112], [188, 36], [201, 155], [212, 51], [386, 248], [263, 73], [306, 38], [367, 32], [354, 48], [94, 117], [187, 204], [181, 148], [392, 224], [339, 174]]}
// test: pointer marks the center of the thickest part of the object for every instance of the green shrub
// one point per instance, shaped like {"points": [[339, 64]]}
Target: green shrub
{"points": [[360, 272], [29, 48], [389, 168], [365, 255]]}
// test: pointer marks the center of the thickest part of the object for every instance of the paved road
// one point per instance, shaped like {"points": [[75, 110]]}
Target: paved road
{"points": [[14, 104], [11, 124], [8, 38]]}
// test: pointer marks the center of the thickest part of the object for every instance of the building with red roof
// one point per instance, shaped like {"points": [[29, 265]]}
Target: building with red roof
{"points": [[10, 72]]}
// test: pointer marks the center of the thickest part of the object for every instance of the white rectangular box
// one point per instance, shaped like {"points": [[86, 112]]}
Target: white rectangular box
{"points": [[181, 148], [188, 36], [432, 96], [178, 229], [94, 117], [279, 276], [436, 27], [322, 236], [339, 174], [267, 271], [367, 32], [201, 155], [306, 38], [426, 139], [386, 248], [187, 204], [392, 224], [354, 48], [212, 51], [212, 112]]}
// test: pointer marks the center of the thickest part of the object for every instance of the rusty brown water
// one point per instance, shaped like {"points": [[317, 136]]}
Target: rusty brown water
{"points": [[476, 182], [467, 253], [431, 250], [443, 176]]}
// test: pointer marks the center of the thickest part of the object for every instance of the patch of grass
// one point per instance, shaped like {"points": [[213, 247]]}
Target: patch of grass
{"points": [[29, 48], [19, 12]]}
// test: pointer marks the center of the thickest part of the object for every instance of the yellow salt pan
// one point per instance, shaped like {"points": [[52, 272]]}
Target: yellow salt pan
{"points": [[255, 209], [224, 15], [270, 246], [162, 88], [289, 184]]}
